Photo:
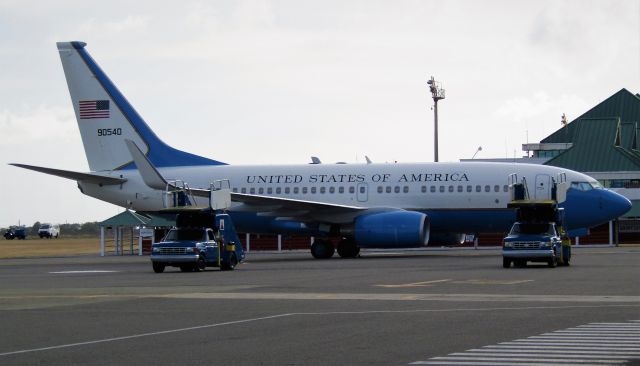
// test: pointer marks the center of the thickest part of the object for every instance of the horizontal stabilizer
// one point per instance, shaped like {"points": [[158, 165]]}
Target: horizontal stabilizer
{"points": [[77, 176]]}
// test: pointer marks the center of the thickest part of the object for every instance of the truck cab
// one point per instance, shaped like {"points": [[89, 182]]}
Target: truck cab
{"points": [[531, 241]]}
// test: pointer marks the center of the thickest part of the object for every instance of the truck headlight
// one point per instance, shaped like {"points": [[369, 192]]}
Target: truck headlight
{"points": [[192, 250], [545, 244], [508, 244], [155, 250]]}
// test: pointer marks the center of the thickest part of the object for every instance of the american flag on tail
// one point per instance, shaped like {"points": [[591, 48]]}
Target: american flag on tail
{"points": [[90, 109]]}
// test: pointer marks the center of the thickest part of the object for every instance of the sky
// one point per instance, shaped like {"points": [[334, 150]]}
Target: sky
{"points": [[275, 82]]}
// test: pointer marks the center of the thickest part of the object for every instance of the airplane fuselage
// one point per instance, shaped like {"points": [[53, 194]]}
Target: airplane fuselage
{"points": [[458, 197]]}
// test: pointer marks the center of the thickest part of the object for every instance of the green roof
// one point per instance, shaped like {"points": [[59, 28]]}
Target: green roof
{"points": [[130, 218], [605, 138], [623, 104]]}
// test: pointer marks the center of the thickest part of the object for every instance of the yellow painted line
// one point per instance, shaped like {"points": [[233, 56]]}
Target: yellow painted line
{"points": [[415, 284]]}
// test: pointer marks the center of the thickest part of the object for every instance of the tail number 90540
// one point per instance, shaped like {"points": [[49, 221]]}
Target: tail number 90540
{"points": [[109, 131]]}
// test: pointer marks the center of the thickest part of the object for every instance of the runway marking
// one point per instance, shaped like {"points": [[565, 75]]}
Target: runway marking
{"points": [[404, 297], [565, 349], [286, 315], [462, 282], [415, 284], [82, 272]]}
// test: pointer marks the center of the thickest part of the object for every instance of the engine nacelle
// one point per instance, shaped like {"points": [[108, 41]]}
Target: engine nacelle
{"points": [[394, 229], [446, 239]]}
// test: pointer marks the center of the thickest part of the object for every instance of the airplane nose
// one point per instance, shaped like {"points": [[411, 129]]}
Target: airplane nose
{"points": [[616, 204]]}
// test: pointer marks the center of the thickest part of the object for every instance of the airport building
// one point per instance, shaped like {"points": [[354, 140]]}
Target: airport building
{"points": [[603, 143]]}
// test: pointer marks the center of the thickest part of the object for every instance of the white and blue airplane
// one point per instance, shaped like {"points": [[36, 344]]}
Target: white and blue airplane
{"points": [[367, 205]]}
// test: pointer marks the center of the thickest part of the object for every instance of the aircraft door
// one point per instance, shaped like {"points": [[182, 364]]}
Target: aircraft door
{"points": [[362, 192], [543, 187]]}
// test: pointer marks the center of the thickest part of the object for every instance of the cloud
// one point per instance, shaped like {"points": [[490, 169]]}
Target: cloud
{"points": [[128, 24], [32, 124]]}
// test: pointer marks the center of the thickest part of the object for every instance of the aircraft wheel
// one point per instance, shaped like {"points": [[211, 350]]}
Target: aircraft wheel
{"points": [[506, 262], [322, 249], [158, 267], [347, 248]]}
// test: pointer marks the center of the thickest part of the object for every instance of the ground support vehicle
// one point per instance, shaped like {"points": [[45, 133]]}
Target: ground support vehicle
{"points": [[203, 236], [538, 235], [16, 232], [200, 240], [49, 231], [535, 242]]}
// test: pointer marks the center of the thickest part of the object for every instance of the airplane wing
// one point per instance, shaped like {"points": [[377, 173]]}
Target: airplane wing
{"points": [[77, 176]]}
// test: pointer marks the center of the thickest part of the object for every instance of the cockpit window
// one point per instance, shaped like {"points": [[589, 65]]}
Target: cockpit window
{"points": [[582, 186], [596, 185]]}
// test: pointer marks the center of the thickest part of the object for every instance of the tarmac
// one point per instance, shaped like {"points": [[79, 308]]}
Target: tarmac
{"points": [[384, 308]]}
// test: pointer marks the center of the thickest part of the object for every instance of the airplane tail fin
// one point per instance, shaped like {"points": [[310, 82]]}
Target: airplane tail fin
{"points": [[106, 119]]}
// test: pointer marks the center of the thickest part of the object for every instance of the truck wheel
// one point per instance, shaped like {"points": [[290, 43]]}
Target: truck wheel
{"points": [[506, 262], [158, 267], [231, 264], [200, 265]]}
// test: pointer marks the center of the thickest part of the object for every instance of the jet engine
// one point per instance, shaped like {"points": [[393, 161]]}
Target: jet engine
{"points": [[393, 229], [446, 239]]}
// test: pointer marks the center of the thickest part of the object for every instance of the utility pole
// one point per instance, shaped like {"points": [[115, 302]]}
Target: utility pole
{"points": [[437, 93]]}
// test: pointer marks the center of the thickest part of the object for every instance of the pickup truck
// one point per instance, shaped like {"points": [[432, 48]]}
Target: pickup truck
{"points": [[192, 249], [535, 242]]}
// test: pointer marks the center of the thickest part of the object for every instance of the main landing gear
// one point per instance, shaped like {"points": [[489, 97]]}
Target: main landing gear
{"points": [[324, 249], [347, 248]]}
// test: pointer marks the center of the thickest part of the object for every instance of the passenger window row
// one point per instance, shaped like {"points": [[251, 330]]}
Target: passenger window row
{"points": [[294, 190], [381, 189]]}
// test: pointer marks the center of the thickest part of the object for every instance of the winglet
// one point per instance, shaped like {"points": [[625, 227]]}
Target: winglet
{"points": [[149, 173]]}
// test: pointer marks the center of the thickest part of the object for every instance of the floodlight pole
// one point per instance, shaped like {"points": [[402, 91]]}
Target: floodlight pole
{"points": [[437, 93]]}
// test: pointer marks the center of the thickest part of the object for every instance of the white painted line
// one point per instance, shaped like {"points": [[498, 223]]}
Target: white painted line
{"points": [[569, 343], [494, 363], [142, 335], [479, 363], [591, 331], [81, 272], [589, 339], [537, 354], [564, 350], [415, 284], [594, 335], [526, 359]]}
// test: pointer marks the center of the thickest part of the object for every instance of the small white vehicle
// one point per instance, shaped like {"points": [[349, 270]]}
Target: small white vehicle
{"points": [[49, 231]]}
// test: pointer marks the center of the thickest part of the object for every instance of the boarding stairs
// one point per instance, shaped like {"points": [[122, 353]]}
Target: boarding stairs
{"points": [[545, 206], [178, 196]]}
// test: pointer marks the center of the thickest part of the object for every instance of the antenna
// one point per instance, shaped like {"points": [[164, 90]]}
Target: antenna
{"points": [[437, 93], [477, 151]]}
